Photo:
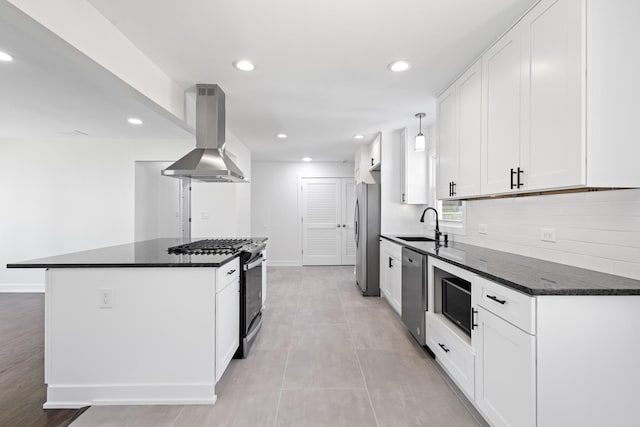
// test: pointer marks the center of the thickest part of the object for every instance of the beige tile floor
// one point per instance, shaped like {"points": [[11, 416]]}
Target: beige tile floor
{"points": [[326, 356]]}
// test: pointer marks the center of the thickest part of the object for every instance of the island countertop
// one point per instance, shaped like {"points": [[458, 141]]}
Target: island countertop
{"points": [[147, 253], [528, 275]]}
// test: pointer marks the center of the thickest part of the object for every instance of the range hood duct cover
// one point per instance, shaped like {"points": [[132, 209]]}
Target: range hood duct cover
{"points": [[208, 161]]}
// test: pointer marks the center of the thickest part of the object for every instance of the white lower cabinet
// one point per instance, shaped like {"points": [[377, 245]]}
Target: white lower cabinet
{"points": [[227, 325], [455, 355], [495, 367], [391, 274], [505, 371]]}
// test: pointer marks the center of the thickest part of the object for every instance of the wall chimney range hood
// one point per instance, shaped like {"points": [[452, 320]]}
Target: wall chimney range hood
{"points": [[208, 161]]}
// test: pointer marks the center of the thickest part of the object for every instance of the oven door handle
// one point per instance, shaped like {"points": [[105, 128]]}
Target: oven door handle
{"points": [[253, 264]]}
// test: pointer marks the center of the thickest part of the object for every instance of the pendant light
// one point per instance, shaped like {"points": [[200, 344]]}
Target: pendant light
{"points": [[421, 142]]}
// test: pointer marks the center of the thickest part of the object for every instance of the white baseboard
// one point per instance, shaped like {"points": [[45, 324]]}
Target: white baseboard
{"points": [[272, 263], [78, 396], [19, 288]]}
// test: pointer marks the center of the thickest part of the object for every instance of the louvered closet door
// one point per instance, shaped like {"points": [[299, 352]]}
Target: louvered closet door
{"points": [[321, 221], [348, 230]]}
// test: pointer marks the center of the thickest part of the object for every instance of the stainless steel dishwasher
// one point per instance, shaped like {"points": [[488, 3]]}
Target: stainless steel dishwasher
{"points": [[414, 292]]}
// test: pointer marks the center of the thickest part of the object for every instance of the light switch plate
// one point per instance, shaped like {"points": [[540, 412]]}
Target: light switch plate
{"points": [[483, 229], [548, 235]]}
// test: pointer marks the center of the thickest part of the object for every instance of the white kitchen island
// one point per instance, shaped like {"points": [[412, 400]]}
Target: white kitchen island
{"points": [[132, 324]]}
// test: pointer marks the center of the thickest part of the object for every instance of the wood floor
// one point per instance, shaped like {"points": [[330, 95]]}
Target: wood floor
{"points": [[22, 389]]}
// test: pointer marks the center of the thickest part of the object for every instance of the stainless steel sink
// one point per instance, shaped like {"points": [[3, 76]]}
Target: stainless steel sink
{"points": [[415, 239]]}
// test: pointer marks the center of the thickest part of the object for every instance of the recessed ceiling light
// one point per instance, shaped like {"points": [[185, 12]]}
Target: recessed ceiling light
{"points": [[281, 136], [5, 57], [399, 66], [306, 159], [358, 136], [134, 121], [244, 65]]}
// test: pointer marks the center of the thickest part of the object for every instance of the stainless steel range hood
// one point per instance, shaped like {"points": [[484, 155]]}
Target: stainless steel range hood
{"points": [[208, 161]]}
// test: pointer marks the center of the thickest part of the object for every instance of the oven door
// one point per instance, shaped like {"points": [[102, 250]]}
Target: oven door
{"points": [[253, 292]]}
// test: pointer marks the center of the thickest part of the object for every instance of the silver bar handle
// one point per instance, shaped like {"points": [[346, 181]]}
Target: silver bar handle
{"points": [[254, 264]]}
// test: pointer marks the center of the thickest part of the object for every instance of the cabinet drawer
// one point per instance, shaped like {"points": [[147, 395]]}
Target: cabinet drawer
{"points": [[227, 274], [394, 249], [456, 357], [513, 306]]}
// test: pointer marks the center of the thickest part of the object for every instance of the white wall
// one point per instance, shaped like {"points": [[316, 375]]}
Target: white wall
{"points": [[397, 218], [67, 195], [596, 230], [274, 203], [157, 202], [224, 209]]}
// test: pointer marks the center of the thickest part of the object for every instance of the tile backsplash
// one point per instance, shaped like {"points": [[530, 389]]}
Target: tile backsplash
{"points": [[594, 230]]}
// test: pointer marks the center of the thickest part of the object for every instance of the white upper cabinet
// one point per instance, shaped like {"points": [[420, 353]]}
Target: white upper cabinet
{"points": [[558, 105], [501, 113], [374, 161], [413, 171], [469, 100], [552, 152], [447, 143], [459, 112]]}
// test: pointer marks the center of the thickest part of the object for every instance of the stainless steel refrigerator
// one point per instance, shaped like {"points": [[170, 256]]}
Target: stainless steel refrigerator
{"points": [[367, 234]]}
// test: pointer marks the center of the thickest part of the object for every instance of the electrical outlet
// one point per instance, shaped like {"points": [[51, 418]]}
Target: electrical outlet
{"points": [[483, 229], [106, 298], [548, 235]]}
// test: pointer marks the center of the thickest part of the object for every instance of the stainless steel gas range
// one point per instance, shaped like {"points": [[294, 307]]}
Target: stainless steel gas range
{"points": [[251, 255]]}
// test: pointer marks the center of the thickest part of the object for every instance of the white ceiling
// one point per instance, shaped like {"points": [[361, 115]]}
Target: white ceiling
{"points": [[52, 90], [321, 73]]}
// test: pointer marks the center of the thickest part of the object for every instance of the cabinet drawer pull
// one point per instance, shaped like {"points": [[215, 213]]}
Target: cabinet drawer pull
{"points": [[496, 299], [230, 272], [446, 350]]}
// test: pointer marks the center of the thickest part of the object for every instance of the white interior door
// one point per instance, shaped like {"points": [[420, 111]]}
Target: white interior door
{"points": [[321, 221], [348, 230]]}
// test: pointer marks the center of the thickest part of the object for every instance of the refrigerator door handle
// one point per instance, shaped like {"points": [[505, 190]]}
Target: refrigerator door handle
{"points": [[356, 226]]}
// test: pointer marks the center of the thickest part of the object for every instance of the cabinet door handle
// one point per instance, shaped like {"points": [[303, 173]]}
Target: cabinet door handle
{"points": [[372, 161], [390, 262], [513, 172], [453, 188], [230, 272], [473, 318], [496, 299], [403, 198], [520, 184], [446, 350]]}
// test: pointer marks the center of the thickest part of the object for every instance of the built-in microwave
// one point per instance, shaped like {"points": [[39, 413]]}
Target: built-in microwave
{"points": [[456, 302]]}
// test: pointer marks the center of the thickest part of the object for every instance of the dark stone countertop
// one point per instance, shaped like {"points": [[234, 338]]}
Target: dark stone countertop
{"points": [[147, 253], [528, 275]]}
